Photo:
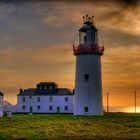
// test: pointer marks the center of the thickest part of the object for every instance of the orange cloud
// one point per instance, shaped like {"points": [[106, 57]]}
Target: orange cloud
{"points": [[121, 76], [120, 67], [109, 15], [26, 67]]}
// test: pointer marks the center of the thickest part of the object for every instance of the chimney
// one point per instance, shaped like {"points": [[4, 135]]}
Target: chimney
{"points": [[21, 90], [73, 91]]}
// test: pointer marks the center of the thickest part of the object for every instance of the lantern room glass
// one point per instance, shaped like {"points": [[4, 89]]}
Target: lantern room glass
{"points": [[82, 37]]}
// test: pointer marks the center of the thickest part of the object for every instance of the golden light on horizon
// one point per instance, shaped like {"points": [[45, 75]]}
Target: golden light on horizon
{"points": [[132, 109]]}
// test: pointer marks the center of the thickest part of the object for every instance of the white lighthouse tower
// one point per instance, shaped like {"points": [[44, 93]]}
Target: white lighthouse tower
{"points": [[88, 85]]}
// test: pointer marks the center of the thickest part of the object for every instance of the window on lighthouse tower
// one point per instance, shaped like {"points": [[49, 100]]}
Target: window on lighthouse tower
{"points": [[82, 37], [86, 77]]}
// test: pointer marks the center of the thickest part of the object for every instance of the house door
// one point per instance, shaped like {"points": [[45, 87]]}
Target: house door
{"points": [[31, 109], [58, 109]]}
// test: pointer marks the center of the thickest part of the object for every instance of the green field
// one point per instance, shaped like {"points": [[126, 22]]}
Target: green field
{"points": [[117, 126]]}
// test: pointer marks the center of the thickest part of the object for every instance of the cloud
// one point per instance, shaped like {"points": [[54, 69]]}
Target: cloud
{"points": [[25, 67], [120, 68], [116, 38], [125, 17], [129, 3], [17, 56], [6, 10], [67, 13], [121, 56], [24, 64], [109, 15]]}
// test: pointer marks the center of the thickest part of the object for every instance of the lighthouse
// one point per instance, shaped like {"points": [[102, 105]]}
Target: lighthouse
{"points": [[88, 84]]}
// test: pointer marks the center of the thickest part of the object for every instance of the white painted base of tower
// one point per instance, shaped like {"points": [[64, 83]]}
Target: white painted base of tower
{"points": [[88, 93]]}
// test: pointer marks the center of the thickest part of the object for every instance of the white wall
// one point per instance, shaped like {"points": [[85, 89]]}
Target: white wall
{"points": [[57, 101]]}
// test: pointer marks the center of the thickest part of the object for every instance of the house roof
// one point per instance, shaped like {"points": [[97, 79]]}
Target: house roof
{"points": [[1, 94], [47, 83], [36, 92]]}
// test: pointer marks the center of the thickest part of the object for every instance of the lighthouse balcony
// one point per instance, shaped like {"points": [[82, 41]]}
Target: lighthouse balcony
{"points": [[94, 49]]}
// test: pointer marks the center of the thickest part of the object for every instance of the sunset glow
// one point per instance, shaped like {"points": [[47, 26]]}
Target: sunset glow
{"points": [[132, 110]]}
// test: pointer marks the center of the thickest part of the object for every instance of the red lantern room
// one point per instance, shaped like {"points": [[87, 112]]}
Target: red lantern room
{"points": [[87, 40]]}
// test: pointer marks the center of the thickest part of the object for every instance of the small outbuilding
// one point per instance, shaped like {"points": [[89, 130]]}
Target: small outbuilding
{"points": [[1, 103]]}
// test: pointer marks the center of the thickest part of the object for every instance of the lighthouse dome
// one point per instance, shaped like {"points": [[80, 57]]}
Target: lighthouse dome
{"points": [[86, 27]]}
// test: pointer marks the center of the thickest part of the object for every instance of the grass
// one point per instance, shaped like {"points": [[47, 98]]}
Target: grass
{"points": [[118, 126]]}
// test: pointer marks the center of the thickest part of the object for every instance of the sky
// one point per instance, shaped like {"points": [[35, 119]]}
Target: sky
{"points": [[36, 39]]}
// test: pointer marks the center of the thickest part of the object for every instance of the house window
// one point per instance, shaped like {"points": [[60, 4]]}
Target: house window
{"points": [[50, 99], [86, 77], [23, 99], [40, 87], [85, 38], [38, 99], [38, 107], [23, 107], [30, 97], [66, 99], [86, 109], [45, 87], [50, 107], [50, 87], [66, 107]]}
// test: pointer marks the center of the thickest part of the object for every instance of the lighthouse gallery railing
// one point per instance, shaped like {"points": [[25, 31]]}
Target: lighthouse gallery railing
{"points": [[94, 49]]}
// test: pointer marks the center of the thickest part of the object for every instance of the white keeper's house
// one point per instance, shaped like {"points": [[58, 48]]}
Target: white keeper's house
{"points": [[45, 98]]}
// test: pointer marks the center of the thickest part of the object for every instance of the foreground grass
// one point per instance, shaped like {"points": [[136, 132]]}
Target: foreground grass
{"points": [[119, 126]]}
